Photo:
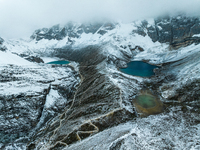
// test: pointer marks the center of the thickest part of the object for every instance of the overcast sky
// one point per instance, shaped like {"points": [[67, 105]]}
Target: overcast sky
{"points": [[19, 18]]}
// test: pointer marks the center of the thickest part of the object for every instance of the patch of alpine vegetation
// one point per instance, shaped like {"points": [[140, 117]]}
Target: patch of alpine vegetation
{"points": [[29, 97]]}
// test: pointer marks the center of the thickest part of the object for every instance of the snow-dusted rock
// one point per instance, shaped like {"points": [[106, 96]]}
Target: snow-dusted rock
{"points": [[2, 47], [79, 115], [25, 97]]}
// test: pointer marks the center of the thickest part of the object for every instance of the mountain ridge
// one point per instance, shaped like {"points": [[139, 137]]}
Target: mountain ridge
{"points": [[91, 99]]}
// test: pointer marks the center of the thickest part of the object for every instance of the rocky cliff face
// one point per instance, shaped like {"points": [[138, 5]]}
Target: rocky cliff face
{"points": [[26, 100], [90, 105], [2, 47], [177, 31], [71, 30]]}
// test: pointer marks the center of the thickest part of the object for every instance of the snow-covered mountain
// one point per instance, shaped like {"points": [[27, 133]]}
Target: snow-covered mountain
{"points": [[88, 104]]}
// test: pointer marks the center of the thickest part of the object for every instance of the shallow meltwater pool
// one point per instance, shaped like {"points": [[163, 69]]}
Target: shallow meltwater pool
{"points": [[139, 68], [59, 62], [146, 101]]}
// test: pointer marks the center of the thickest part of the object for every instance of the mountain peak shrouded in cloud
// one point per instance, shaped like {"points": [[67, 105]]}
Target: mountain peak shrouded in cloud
{"points": [[19, 18]]}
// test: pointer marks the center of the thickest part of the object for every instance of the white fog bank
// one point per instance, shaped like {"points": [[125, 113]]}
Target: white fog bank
{"points": [[19, 18]]}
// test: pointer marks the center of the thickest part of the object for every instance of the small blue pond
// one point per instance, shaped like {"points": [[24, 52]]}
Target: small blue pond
{"points": [[139, 68], [59, 62]]}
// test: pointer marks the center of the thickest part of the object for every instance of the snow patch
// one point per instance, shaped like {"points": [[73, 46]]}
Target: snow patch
{"points": [[51, 98], [159, 27], [49, 59], [151, 22], [9, 58], [196, 35]]}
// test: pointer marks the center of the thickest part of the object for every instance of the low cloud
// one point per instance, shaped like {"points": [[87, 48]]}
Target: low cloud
{"points": [[19, 18]]}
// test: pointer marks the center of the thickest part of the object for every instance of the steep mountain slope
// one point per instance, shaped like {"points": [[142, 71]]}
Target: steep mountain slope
{"points": [[90, 105]]}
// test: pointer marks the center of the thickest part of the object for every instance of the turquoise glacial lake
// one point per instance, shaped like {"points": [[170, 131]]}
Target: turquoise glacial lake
{"points": [[139, 68], [59, 62]]}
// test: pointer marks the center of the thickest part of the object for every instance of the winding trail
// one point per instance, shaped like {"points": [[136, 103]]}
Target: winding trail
{"points": [[48, 145], [65, 118]]}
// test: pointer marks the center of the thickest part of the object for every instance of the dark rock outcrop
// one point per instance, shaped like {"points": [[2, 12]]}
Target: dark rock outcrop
{"points": [[1, 41], [185, 42], [177, 31], [71, 30], [118, 62], [25, 100], [19, 114], [105, 28], [2, 47], [32, 58], [54, 32], [190, 100]]}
